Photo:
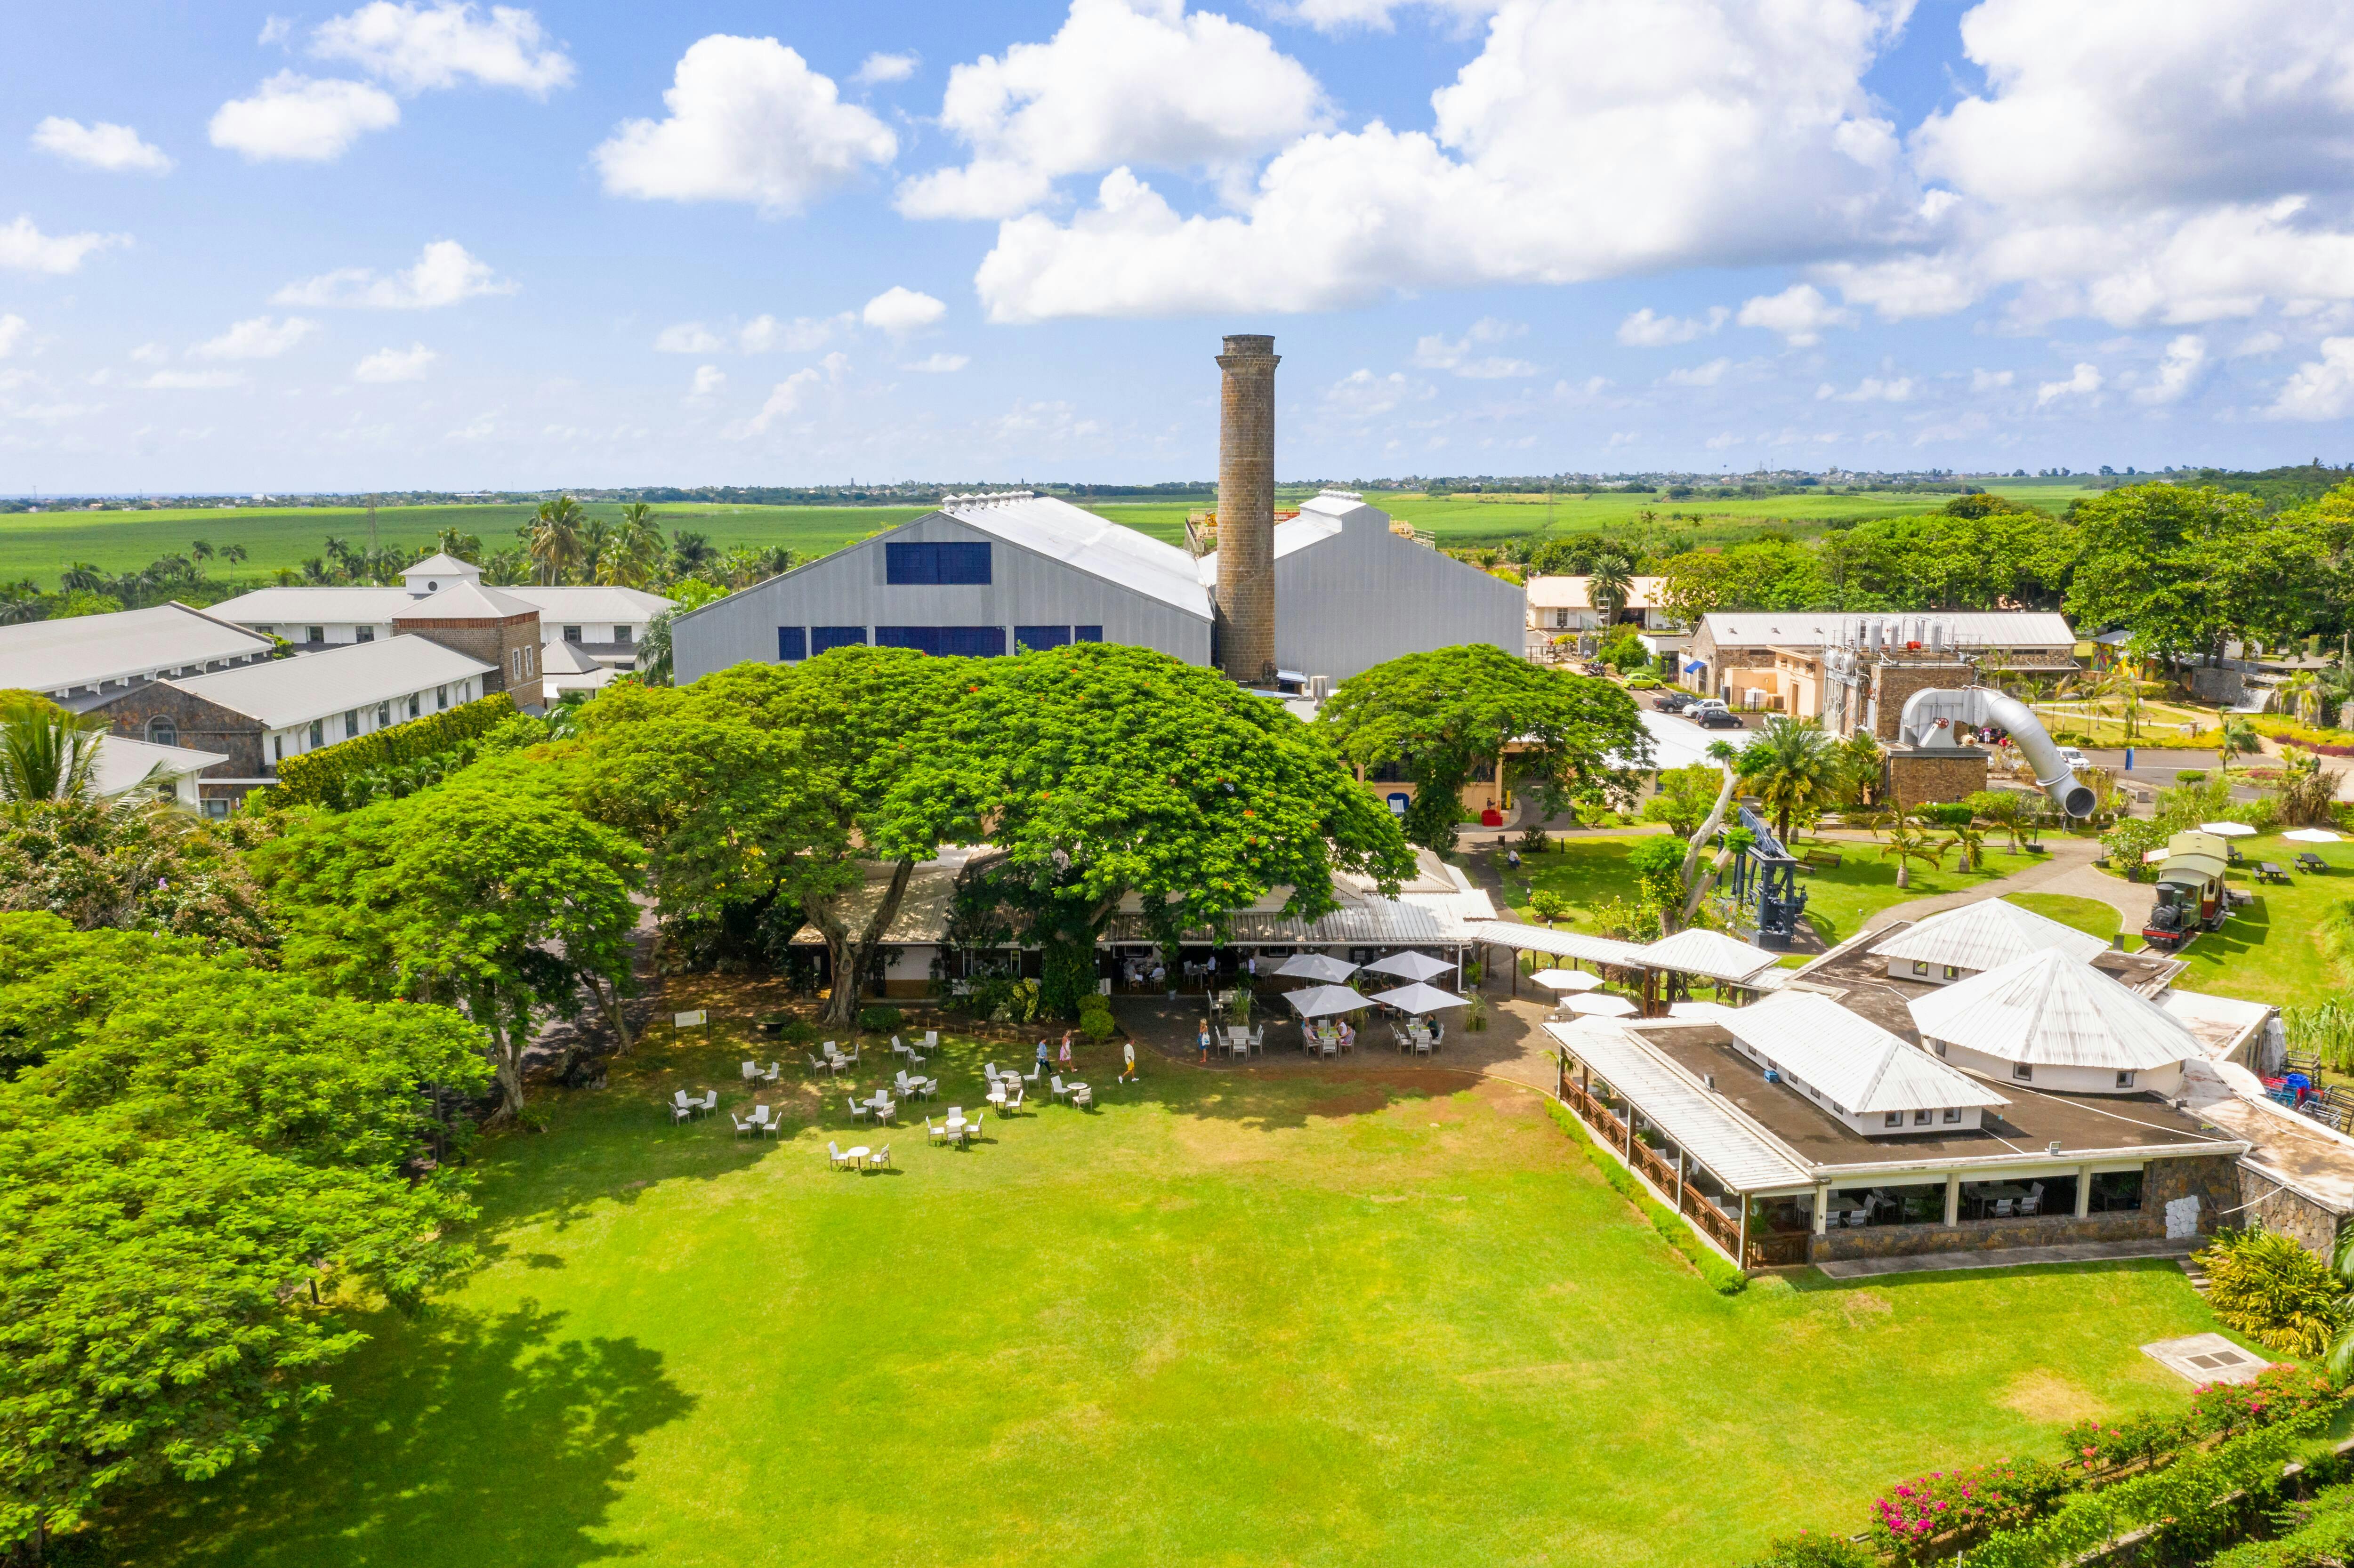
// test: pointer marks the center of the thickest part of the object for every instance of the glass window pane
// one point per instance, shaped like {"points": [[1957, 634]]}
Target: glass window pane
{"points": [[793, 643], [1038, 638], [824, 639]]}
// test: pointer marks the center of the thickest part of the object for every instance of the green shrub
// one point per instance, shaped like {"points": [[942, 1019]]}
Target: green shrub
{"points": [[2190, 776], [2125, 844], [1805, 1551], [799, 1032], [2269, 1287], [1722, 1276], [2309, 1534], [879, 1019], [1095, 1020], [317, 778], [1952, 814]]}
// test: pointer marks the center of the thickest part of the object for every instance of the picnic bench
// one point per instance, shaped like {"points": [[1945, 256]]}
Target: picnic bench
{"points": [[2266, 870], [2308, 860], [1819, 860]]}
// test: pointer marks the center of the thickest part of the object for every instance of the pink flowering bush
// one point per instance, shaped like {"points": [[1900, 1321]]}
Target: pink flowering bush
{"points": [[1914, 1522], [2280, 1391]]}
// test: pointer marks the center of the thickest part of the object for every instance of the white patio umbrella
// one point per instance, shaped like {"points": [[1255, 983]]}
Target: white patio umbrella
{"points": [[1419, 998], [2226, 830], [1594, 1005], [1316, 967], [1410, 965], [1566, 979], [1321, 1001], [2314, 836]]}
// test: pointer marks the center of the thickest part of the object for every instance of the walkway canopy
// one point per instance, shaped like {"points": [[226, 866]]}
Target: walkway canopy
{"points": [[1557, 944], [1711, 955]]}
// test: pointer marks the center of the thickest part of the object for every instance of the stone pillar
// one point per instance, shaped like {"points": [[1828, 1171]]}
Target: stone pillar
{"points": [[1246, 607], [1953, 1199]]}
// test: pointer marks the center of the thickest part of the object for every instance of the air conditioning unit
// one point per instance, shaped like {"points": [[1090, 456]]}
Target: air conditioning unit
{"points": [[1773, 1076], [1320, 686]]}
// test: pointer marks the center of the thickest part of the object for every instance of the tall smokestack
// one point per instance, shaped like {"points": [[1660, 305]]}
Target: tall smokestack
{"points": [[1247, 509]]}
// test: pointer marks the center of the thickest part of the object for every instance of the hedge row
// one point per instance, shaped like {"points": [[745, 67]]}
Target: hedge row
{"points": [[1722, 1276], [317, 778]]}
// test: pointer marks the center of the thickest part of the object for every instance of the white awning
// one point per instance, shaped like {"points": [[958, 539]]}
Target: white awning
{"points": [[1559, 944], [1701, 1123], [1320, 1001], [1711, 955]]}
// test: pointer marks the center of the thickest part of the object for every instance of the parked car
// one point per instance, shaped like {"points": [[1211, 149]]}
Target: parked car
{"points": [[1674, 702], [2073, 758], [1718, 716]]}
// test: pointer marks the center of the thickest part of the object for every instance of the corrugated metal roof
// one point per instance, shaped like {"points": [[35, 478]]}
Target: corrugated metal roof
{"points": [[577, 603], [1559, 944], [300, 606], [1861, 1066], [1999, 628], [295, 691], [84, 650], [465, 599], [123, 762], [2049, 1010], [1710, 954], [1062, 531], [1700, 1121], [1376, 922], [1985, 935]]}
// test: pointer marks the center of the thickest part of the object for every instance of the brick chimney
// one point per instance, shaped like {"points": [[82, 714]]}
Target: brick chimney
{"points": [[1246, 607]]}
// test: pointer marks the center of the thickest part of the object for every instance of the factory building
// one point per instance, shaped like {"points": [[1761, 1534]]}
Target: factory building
{"points": [[1330, 592]]}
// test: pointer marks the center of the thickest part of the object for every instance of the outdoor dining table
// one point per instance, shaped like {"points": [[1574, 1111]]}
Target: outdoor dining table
{"points": [[2268, 872], [878, 1101], [857, 1156]]}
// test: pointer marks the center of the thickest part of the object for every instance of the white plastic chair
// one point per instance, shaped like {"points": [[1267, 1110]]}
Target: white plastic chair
{"points": [[776, 1070], [681, 1107], [857, 1111], [1015, 1102], [1083, 1095], [880, 1159], [898, 1047], [742, 1127], [972, 1128], [938, 1134], [931, 1039], [1031, 1077], [833, 1152], [886, 1110], [773, 1123], [710, 1101], [1056, 1085]]}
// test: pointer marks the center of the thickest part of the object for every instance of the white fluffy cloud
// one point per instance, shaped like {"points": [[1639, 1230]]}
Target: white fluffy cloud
{"points": [[303, 119], [940, 363], [786, 398], [257, 338], [1870, 389], [801, 334], [193, 380], [2179, 367], [396, 363], [2083, 382], [1123, 81], [446, 274], [900, 311], [1991, 380], [688, 337], [1345, 16], [13, 331], [708, 380], [1461, 356], [1645, 329], [1799, 312], [1362, 395], [25, 249], [1710, 131], [416, 48], [748, 122], [2322, 388], [881, 67], [116, 149], [1707, 375]]}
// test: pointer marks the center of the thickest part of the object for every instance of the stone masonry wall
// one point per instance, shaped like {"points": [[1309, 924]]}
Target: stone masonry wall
{"points": [[494, 643], [2215, 1179], [202, 726], [1892, 686], [1947, 774], [2284, 1209]]}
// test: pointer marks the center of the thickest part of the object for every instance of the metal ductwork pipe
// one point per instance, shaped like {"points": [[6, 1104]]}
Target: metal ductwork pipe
{"points": [[1978, 706]]}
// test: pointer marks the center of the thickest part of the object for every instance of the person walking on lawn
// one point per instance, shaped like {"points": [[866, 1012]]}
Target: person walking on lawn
{"points": [[1041, 1054], [1128, 1063]]}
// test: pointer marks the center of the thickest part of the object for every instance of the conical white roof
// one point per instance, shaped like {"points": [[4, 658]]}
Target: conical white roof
{"points": [[443, 564], [1713, 954], [2050, 1009], [1985, 935], [1864, 1067]]}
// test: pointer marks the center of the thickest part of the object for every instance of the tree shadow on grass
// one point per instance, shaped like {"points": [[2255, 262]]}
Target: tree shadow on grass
{"points": [[1812, 1281], [455, 1439]]}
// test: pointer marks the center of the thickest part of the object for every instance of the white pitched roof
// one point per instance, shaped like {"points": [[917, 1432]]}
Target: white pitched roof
{"points": [[576, 604], [442, 565], [1062, 531], [1985, 935], [1712, 954], [1861, 1066], [557, 657], [1712, 1129], [310, 606], [295, 690], [83, 650], [1804, 629], [2049, 1010], [466, 599], [1558, 944], [123, 762]]}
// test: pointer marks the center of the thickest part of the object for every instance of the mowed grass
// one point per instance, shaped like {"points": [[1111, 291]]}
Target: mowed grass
{"points": [[1840, 899], [2089, 915], [1294, 1315], [2271, 952], [41, 545]]}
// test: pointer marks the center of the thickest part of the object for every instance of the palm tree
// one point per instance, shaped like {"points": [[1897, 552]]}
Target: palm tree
{"points": [[1862, 762], [637, 550], [1609, 586], [1909, 841], [232, 553], [2303, 690], [597, 538], [467, 548], [2236, 735], [46, 754], [1793, 765], [555, 537], [1968, 843], [690, 552]]}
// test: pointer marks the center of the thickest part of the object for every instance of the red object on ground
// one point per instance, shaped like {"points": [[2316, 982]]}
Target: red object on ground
{"points": [[1491, 818]]}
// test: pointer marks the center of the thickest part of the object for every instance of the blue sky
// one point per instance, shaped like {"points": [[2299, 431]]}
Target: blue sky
{"points": [[457, 246]]}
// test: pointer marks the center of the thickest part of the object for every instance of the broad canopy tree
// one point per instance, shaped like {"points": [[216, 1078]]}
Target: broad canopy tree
{"points": [[1438, 717]]}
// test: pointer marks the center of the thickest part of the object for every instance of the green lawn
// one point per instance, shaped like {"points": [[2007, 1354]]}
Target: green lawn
{"points": [[41, 545], [1292, 1316], [2271, 952], [1838, 898], [2089, 915]]}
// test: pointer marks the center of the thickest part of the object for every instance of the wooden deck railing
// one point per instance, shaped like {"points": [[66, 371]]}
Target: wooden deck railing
{"points": [[1714, 1222], [1776, 1249]]}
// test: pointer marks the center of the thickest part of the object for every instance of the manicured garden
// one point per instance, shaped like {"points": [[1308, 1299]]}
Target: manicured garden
{"points": [[2274, 950], [1284, 1315], [1586, 872]]}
